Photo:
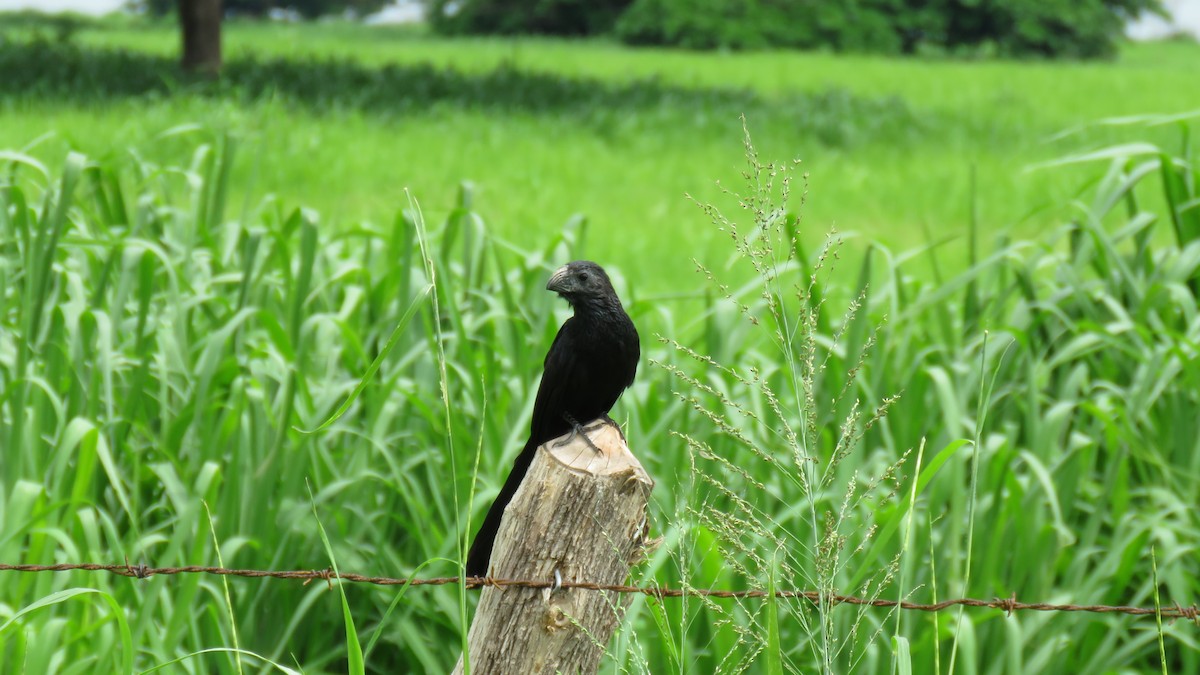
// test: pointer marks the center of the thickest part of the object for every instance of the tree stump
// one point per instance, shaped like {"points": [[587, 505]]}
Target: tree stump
{"points": [[579, 515]]}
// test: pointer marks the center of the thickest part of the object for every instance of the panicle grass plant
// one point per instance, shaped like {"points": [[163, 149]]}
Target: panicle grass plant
{"points": [[1060, 427]]}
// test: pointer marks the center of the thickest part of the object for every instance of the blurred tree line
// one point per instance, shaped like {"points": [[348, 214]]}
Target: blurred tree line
{"points": [[1045, 28], [308, 9], [1020, 28]]}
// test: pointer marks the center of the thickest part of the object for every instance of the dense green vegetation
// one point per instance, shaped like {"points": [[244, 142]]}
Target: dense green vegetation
{"points": [[170, 321], [1040, 28], [160, 357], [525, 17], [308, 9]]}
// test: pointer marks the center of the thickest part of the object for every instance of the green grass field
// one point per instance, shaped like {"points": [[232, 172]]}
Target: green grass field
{"points": [[890, 145], [1010, 414]]}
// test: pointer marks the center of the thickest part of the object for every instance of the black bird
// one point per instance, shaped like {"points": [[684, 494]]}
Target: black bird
{"points": [[593, 359]]}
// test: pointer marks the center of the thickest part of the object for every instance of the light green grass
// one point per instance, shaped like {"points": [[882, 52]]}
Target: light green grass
{"points": [[627, 174]]}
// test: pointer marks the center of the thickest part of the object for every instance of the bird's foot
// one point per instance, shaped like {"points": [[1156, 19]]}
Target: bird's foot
{"points": [[608, 420], [578, 429]]}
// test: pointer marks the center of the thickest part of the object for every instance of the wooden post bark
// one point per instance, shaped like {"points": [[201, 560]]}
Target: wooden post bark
{"points": [[200, 26], [580, 515]]}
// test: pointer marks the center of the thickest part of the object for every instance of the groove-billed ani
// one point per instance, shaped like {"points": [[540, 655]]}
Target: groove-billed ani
{"points": [[593, 359]]}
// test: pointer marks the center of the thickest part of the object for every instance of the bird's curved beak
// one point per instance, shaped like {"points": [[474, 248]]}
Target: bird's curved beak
{"points": [[560, 281]]}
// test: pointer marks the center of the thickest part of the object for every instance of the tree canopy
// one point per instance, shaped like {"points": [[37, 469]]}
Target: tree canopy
{"points": [[1046, 28]]}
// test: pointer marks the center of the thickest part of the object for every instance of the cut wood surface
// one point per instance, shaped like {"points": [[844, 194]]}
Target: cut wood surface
{"points": [[579, 515]]}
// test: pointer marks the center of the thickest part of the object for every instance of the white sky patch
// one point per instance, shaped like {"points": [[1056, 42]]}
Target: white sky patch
{"points": [[1185, 18], [96, 7]]}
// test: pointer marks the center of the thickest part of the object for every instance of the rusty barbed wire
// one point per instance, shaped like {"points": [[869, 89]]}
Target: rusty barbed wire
{"points": [[1008, 605]]}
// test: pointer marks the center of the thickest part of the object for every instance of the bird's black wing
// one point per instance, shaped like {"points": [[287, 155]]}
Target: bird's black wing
{"points": [[547, 423], [562, 370]]}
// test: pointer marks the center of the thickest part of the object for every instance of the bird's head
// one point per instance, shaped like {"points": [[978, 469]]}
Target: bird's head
{"points": [[582, 283]]}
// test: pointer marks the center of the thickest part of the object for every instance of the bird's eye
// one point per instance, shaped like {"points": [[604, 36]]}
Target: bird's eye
{"points": [[583, 276]]}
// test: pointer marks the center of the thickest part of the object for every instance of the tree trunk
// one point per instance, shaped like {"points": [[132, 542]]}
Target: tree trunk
{"points": [[200, 22], [579, 515]]}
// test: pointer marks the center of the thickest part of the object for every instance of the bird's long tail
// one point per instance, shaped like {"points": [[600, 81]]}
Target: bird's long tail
{"points": [[481, 549]]}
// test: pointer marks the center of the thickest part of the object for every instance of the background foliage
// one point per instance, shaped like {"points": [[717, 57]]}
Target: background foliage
{"points": [[1061, 28], [340, 113], [1014, 28], [171, 318], [544, 17], [308, 9]]}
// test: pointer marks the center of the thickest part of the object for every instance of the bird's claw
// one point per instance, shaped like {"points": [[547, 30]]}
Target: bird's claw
{"points": [[608, 420], [578, 429]]}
